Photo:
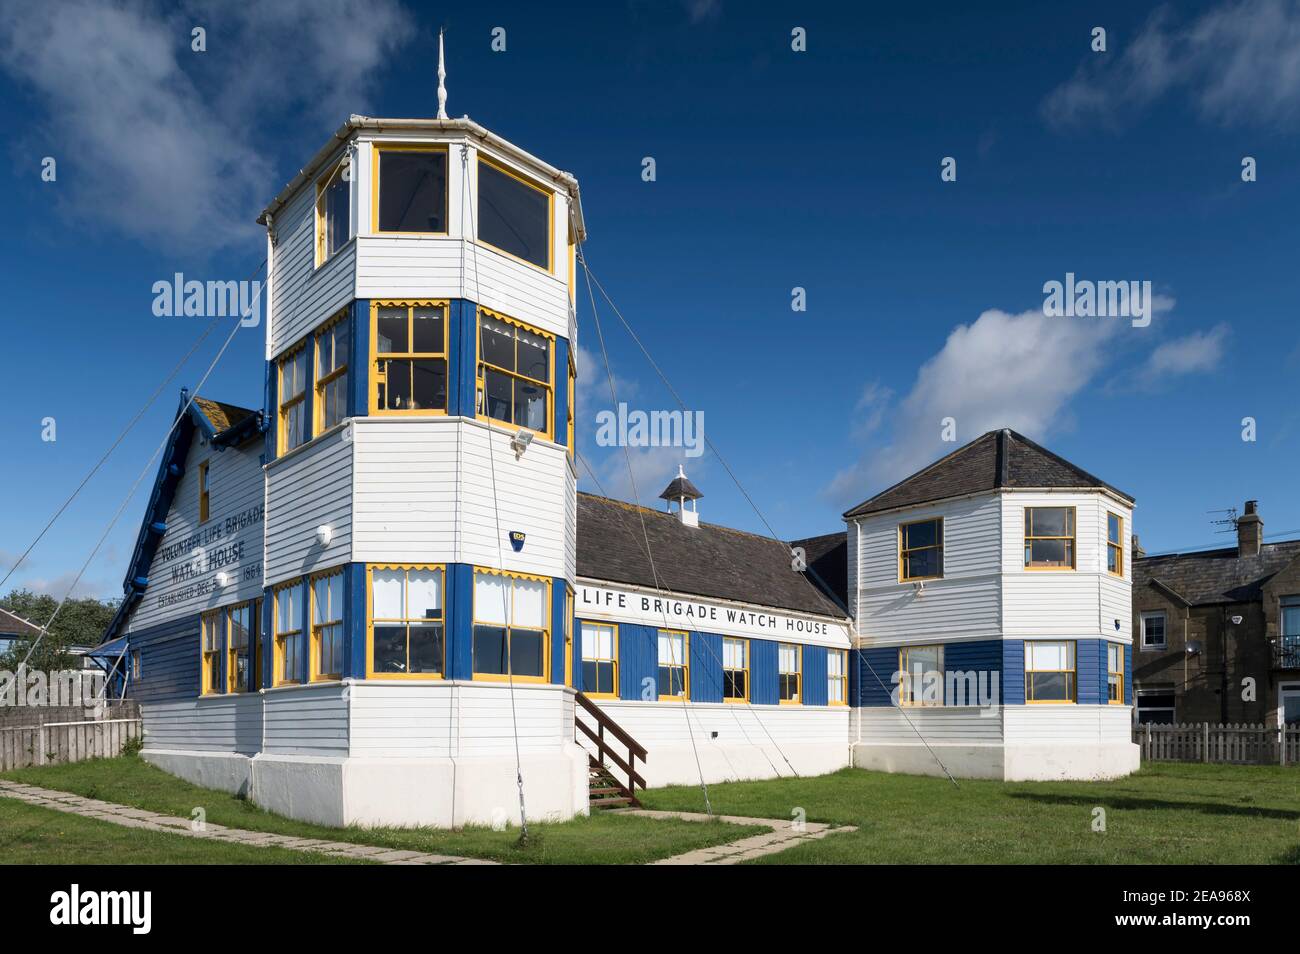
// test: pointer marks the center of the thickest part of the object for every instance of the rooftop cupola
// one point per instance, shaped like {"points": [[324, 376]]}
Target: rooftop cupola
{"points": [[679, 491]]}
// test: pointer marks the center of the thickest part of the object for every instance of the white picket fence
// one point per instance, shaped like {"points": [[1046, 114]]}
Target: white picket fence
{"points": [[53, 742], [1204, 742]]}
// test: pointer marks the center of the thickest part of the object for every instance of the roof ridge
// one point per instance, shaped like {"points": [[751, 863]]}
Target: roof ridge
{"points": [[922, 471], [1070, 464]]}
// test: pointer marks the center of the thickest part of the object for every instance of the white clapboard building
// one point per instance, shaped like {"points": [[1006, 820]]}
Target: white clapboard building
{"points": [[380, 598]]}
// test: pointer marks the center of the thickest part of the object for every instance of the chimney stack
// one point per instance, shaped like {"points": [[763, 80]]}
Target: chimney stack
{"points": [[1138, 552], [1250, 531]]}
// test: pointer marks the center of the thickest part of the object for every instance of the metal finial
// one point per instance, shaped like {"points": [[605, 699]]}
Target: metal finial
{"points": [[442, 76]]}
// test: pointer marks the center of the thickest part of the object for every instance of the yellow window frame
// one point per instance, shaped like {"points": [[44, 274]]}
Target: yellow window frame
{"points": [[254, 647], [407, 620], [798, 674], [278, 638], [550, 215], [381, 147], [1074, 676], [314, 644], [377, 377], [211, 645], [1116, 547], [568, 638], [904, 550], [321, 383], [842, 678], [684, 665], [1118, 650], [906, 695], [323, 183], [136, 668], [285, 405], [744, 645], [614, 659], [205, 498], [1072, 537], [570, 414], [546, 631], [480, 394]]}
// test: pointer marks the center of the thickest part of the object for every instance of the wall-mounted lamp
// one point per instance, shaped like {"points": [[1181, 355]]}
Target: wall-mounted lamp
{"points": [[519, 443], [1236, 620], [324, 534], [223, 579]]}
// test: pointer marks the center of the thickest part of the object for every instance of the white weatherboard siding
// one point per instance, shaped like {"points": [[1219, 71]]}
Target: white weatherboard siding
{"points": [[1081, 602], [306, 720], [303, 296], [751, 741], [309, 488], [964, 603], [966, 725], [182, 576], [227, 723], [424, 493]]}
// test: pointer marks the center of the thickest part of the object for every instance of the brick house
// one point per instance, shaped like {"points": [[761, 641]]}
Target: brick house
{"points": [[1206, 623]]}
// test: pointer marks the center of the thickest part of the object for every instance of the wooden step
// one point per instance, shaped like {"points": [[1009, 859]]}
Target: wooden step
{"points": [[610, 802], [608, 790]]}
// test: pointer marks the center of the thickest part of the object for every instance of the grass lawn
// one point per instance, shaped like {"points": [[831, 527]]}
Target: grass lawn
{"points": [[32, 835], [1168, 813], [599, 839]]}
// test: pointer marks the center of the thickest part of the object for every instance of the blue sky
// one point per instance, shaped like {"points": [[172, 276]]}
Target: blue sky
{"points": [[775, 169]]}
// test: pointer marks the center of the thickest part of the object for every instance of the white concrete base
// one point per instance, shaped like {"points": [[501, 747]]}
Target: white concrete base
{"points": [[394, 792], [224, 771], [677, 765], [1011, 763]]}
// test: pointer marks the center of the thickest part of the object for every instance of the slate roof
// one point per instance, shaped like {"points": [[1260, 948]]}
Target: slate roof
{"points": [[11, 624], [1215, 576], [707, 561], [220, 415], [828, 563], [992, 461]]}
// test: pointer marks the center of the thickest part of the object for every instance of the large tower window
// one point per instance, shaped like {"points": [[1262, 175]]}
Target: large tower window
{"points": [[407, 620], [514, 215], [511, 632], [514, 373], [292, 372], [1049, 538], [333, 211], [409, 351], [410, 190]]}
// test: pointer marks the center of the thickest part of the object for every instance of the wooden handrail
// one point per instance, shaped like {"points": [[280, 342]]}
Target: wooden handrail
{"points": [[605, 722], [633, 778]]}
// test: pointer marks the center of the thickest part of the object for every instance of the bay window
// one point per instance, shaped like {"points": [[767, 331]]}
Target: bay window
{"points": [[511, 626], [287, 636], [514, 215], [735, 670], [1049, 538], [292, 403], [410, 189], [407, 621], [409, 357], [212, 635], [333, 211], [514, 373], [1114, 674], [1115, 544], [331, 374], [790, 673], [920, 550], [1049, 671], [241, 651]]}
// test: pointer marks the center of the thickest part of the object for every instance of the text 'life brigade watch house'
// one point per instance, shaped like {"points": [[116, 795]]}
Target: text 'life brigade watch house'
{"points": [[382, 600]]}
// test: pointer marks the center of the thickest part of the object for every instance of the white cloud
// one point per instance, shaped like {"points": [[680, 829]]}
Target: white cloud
{"points": [[166, 145], [1199, 351], [1239, 62], [1002, 370]]}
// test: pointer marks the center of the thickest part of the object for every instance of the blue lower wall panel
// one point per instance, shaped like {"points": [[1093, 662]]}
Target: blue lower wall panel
{"points": [[764, 689], [814, 676], [638, 660], [169, 661], [875, 668]]}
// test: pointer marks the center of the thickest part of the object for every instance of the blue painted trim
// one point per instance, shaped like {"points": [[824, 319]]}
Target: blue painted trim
{"points": [[1013, 672], [561, 391], [268, 639], [876, 690], [706, 667], [459, 621], [462, 357], [354, 644], [815, 690], [359, 359], [764, 687], [557, 629], [1128, 674], [638, 660]]}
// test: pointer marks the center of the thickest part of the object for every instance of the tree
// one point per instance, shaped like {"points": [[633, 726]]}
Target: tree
{"points": [[80, 623]]}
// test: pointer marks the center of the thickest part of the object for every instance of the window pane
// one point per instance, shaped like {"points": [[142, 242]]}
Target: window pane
{"points": [[922, 563], [513, 216], [491, 599], [398, 396], [426, 648], [1112, 559], [530, 405], [337, 230], [1050, 686], [424, 599], [390, 648], [1051, 521], [429, 384], [392, 329], [498, 395], [1112, 528], [526, 652], [529, 604], [412, 191], [534, 356], [427, 335], [490, 649], [1048, 552], [921, 534], [605, 680], [498, 345]]}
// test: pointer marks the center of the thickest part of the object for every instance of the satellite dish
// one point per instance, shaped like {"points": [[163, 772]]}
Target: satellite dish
{"points": [[1193, 647]]}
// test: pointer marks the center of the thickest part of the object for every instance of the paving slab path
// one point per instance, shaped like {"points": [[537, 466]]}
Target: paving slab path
{"points": [[784, 834]]}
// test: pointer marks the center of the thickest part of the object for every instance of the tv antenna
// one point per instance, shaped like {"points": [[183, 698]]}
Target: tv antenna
{"points": [[1227, 523]]}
